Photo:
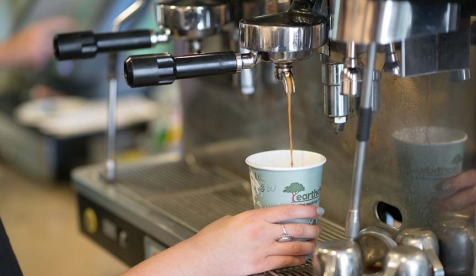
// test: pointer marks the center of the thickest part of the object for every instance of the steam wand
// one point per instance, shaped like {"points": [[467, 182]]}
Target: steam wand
{"points": [[352, 225], [111, 163]]}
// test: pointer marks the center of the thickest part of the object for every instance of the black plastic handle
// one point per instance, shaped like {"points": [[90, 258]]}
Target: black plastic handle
{"points": [[161, 69], [86, 44]]}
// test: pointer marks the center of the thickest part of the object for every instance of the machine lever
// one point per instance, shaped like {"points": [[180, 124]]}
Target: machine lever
{"points": [[162, 69], [86, 44]]}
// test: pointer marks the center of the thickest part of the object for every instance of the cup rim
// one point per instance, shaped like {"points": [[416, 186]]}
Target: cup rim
{"points": [[397, 135], [269, 168]]}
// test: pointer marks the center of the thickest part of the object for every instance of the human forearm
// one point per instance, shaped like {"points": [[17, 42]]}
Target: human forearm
{"points": [[239, 245], [32, 47], [8, 56], [178, 260]]}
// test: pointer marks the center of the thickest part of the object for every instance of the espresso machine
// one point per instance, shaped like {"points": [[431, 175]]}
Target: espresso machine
{"points": [[386, 72]]}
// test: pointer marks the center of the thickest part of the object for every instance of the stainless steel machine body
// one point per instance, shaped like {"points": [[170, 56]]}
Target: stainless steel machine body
{"points": [[221, 126]]}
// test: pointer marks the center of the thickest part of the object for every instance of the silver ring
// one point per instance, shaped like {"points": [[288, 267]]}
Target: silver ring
{"points": [[285, 237]]}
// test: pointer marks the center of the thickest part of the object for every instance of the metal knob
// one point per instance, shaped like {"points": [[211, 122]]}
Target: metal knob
{"points": [[408, 261], [375, 243], [337, 258], [426, 241], [456, 239]]}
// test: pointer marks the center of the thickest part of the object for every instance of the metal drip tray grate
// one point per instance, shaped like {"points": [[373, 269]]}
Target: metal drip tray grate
{"points": [[197, 208], [151, 179], [190, 195], [303, 270]]}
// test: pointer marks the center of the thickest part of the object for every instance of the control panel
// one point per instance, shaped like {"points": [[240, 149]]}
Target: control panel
{"points": [[118, 236]]}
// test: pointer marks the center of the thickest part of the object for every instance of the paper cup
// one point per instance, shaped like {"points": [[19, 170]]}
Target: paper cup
{"points": [[427, 156], [274, 182]]}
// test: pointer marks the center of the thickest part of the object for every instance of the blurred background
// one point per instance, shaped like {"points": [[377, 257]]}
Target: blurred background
{"points": [[53, 119]]}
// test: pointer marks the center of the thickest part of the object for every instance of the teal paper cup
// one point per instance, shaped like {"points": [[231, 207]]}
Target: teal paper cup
{"points": [[427, 156], [274, 182]]}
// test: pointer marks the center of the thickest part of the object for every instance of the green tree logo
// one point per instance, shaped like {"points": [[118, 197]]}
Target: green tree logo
{"points": [[457, 159], [294, 189]]}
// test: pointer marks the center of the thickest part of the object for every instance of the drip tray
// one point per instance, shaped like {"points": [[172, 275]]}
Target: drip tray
{"points": [[191, 195], [171, 200]]}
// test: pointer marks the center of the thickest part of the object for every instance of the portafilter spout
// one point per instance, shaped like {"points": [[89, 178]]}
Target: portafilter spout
{"points": [[285, 75]]}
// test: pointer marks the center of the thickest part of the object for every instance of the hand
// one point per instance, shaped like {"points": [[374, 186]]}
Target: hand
{"points": [[460, 191], [239, 245], [32, 47]]}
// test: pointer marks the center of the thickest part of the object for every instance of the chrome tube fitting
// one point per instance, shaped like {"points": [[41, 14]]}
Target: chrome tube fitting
{"points": [[375, 101], [247, 78], [460, 75], [351, 75], [391, 65], [163, 36], [247, 60]]}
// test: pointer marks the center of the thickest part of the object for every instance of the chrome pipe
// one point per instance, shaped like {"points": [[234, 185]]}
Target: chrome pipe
{"points": [[352, 226], [111, 163]]}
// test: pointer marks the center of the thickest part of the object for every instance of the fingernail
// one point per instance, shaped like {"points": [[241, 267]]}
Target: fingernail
{"points": [[320, 211], [446, 186]]}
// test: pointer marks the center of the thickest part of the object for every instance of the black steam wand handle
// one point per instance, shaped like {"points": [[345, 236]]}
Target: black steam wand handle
{"points": [[86, 44], [162, 69]]}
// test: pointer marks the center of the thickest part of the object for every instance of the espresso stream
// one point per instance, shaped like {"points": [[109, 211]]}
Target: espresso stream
{"points": [[290, 128]]}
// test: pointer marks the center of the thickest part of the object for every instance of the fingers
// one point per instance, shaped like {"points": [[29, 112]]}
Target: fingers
{"points": [[462, 181], [288, 212], [468, 211], [285, 254], [461, 200], [60, 24], [293, 248], [298, 230]]}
